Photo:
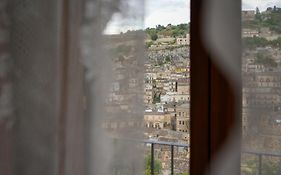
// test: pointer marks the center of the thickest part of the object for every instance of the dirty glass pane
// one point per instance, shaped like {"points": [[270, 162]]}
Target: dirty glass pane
{"points": [[261, 72], [136, 59]]}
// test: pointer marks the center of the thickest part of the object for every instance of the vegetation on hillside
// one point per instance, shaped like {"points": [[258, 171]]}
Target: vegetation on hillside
{"points": [[170, 30], [265, 60], [157, 166], [254, 42], [270, 18], [270, 166]]}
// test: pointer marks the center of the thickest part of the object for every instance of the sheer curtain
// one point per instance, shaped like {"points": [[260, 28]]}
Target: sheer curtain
{"points": [[114, 82]]}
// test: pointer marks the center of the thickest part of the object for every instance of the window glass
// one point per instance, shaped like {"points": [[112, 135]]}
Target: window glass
{"points": [[261, 71], [136, 56], [167, 79]]}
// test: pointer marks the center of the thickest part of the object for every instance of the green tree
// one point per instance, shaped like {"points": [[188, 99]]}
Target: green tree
{"points": [[273, 20], [258, 15], [160, 27], [154, 36], [157, 166], [167, 59], [257, 11], [148, 44], [175, 33], [170, 30], [254, 42], [156, 98], [276, 42], [265, 60]]}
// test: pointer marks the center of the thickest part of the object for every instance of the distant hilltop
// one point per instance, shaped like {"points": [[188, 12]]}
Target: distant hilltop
{"points": [[159, 31], [170, 30], [270, 19]]}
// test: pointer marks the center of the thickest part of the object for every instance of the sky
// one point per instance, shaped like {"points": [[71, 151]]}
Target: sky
{"points": [[261, 4], [169, 12], [166, 12]]}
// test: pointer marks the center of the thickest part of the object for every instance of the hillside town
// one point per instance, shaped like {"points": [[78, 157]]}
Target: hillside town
{"points": [[261, 79], [261, 65], [162, 80], [166, 99]]}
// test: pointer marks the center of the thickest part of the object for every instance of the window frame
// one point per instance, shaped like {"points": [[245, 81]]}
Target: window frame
{"points": [[211, 124]]}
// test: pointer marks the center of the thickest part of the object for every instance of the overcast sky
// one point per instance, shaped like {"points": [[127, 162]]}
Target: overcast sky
{"points": [[166, 12], [173, 12], [262, 4]]}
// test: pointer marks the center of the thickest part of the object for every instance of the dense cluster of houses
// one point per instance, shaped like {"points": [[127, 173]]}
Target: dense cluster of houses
{"points": [[261, 99], [167, 102], [150, 96]]}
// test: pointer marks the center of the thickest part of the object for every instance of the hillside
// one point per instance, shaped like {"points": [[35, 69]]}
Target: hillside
{"points": [[179, 30], [271, 18]]}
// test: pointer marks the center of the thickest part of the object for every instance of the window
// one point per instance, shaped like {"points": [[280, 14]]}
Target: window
{"points": [[50, 91], [262, 106]]}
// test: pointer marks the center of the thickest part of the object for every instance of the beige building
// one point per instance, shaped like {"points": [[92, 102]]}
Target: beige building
{"points": [[250, 33], [268, 79], [174, 97], [158, 120], [183, 88], [265, 100], [184, 41], [248, 15], [148, 94], [183, 118]]}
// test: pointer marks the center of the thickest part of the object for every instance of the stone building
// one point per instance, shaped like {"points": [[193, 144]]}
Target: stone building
{"points": [[184, 41], [248, 15], [158, 120], [183, 117], [250, 33]]}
